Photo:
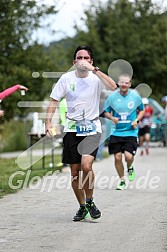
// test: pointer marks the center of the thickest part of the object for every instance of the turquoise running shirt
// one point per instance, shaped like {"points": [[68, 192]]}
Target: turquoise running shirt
{"points": [[125, 108]]}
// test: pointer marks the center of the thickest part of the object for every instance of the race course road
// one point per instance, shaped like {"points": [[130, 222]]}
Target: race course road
{"points": [[39, 218]]}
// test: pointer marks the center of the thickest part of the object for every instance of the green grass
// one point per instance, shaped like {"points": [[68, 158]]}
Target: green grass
{"points": [[9, 168], [10, 171]]}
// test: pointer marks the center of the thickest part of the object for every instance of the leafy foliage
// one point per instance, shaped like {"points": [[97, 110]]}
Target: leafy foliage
{"points": [[14, 136], [19, 57], [120, 29], [133, 31]]}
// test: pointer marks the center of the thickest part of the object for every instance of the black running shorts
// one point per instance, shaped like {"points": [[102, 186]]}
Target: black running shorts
{"points": [[76, 146], [121, 144], [144, 130]]}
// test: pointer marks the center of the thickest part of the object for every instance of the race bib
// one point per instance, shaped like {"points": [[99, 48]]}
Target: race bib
{"points": [[123, 118], [85, 128]]}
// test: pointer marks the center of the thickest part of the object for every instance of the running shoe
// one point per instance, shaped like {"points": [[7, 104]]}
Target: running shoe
{"points": [[131, 174], [122, 185], [93, 210], [81, 214]]}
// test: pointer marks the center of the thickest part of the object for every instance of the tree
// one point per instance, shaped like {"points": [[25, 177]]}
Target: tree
{"points": [[19, 56], [134, 31]]}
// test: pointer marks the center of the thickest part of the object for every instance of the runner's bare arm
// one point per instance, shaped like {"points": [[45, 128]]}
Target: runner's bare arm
{"points": [[139, 117], [49, 114], [110, 117], [108, 82]]}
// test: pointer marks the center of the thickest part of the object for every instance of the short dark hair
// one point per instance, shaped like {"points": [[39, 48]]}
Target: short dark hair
{"points": [[86, 48]]}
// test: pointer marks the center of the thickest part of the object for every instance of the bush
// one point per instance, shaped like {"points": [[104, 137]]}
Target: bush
{"points": [[13, 136]]}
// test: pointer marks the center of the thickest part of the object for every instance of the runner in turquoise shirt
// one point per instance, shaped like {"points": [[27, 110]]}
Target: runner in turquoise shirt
{"points": [[124, 108]]}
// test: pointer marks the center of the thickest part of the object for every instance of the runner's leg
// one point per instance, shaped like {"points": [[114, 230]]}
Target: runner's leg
{"points": [[76, 179]]}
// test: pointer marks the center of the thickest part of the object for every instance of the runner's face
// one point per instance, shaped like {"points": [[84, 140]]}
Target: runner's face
{"points": [[82, 55], [124, 83]]}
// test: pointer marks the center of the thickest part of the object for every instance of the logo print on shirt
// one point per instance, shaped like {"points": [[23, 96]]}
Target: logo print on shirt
{"points": [[72, 87], [131, 105]]}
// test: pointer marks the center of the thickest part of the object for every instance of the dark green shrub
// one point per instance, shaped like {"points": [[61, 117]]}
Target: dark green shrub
{"points": [[13, 136]]}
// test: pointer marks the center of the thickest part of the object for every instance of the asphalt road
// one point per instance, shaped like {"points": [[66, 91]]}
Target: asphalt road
{"points": [[39, 218]]}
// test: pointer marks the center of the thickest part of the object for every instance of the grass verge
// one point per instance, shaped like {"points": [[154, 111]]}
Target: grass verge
{"points": [[9, 171]]}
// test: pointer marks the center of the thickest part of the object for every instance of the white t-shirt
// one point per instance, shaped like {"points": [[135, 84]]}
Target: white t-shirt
{"points": [[82, 96]]}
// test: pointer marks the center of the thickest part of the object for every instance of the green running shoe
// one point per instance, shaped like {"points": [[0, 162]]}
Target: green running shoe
{"points": [[81, 214], [122, 185], [131, 174]]}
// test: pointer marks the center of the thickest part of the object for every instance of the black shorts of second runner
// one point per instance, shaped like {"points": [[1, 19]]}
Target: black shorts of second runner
{"points": [[76, 146], [121, 144], [144, 130]]}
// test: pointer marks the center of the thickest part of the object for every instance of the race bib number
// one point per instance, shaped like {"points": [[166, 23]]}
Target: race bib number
{"points": [[85, 128], [123, 118]]}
